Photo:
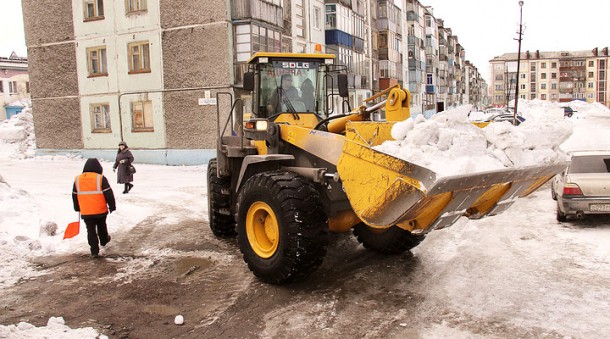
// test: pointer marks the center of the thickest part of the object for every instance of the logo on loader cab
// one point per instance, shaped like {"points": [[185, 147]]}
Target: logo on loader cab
{"points": [[297, 65]]}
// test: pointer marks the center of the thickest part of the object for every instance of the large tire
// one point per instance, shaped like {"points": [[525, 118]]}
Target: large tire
{"points": [[393, 240], [282, 227], [222, 221]]}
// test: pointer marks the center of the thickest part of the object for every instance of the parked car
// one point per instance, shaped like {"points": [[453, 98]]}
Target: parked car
{"points": [[497, 110], [568, 111], [584, 187], [508, 117]]}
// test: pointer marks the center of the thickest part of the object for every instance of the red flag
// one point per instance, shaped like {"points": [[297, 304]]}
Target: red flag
{"points": [[72, 229]]}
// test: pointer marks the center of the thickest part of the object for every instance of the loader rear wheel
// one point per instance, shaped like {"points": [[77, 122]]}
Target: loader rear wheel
{"points": [[392, 240], [222, 221], [282, 227]]}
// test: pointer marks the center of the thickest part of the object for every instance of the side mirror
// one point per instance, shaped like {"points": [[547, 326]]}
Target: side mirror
{"points": [[343, 85], [249, 81]]}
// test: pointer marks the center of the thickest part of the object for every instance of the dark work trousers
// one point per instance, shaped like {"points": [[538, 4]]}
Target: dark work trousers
{"points": [[96, 226]]}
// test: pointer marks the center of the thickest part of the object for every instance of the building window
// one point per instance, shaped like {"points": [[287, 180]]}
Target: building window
{"points": [[553, 65], [94, 9], [27, 86], [522, 75], [1, 86], [100, 118], [135, 6], [543, 65], [591, 63], [12, 87], [542, 75], [553, 96], [142, 116], [317, 13], [533, 96], [250, 39], [590, 85], [542, 86], [553, 75], [522, 86], [554, 86], [96, 61], [139, 57], [591, 75], [543, 96]]}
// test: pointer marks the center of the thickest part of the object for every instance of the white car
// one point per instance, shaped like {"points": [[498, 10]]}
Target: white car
{"points": [[496, 111], [584, 187]]}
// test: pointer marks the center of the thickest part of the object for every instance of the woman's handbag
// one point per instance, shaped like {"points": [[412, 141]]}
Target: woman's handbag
{"points": [[132, 169]]}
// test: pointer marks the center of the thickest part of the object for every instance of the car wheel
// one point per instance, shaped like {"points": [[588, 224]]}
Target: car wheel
{"points": [[553, 194], [561, 217]]}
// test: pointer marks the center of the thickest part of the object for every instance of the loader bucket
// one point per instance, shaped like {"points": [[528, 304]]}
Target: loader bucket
{"points": [[385, 191]]}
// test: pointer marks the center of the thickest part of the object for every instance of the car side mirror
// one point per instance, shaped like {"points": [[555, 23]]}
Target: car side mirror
{"points": [[249, 81], [343, 85]]}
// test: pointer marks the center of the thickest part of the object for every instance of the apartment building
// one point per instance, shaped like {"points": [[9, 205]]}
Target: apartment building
{"points": [[149, 72], [561, 76], [14, 85]]}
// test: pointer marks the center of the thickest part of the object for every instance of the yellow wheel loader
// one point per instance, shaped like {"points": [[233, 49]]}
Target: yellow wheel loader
{"points": [[291, 171]]}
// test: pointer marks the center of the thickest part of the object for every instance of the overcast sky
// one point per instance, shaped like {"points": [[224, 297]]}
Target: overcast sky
{"points": [[488, 28], [485, 28]]}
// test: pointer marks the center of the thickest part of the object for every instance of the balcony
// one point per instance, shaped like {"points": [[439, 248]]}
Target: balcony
{"points": [[358, 44], [257, 9], [413, 40], [430, 89], [412, 16], [337, 37], [414, 87]]}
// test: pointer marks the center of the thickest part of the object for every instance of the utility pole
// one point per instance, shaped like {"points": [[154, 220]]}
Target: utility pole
{"points": [[518, 62]]}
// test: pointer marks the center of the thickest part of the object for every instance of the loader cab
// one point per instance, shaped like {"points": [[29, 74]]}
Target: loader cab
{"points": [[294, 88]]}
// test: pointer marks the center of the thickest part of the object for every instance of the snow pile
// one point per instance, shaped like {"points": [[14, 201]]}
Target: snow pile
{"points": [[56, 328], [18, 133], [449, 145], [19, 241]]}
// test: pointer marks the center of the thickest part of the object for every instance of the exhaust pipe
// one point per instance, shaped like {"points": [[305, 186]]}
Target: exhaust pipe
{"points": [[580, 215]]}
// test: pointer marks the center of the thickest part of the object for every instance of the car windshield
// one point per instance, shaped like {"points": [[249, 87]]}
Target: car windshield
{"points": [[590, 164]]}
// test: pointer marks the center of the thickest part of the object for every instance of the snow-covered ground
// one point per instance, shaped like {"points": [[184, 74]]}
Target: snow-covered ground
{"points": [[35, 195]]}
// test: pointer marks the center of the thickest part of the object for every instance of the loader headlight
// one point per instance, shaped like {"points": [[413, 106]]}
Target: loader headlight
{"points": [[256, 125]]}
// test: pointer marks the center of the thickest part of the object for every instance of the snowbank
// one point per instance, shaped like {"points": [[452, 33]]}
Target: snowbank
{"points": [[17, 138], [449, 145], [56, 328]]}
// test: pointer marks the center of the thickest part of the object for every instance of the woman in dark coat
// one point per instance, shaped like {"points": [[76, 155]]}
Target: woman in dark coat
{"points": [[123, 161]]}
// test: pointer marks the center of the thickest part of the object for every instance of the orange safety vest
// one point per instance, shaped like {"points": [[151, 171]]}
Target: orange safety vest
{"points": [[89, 192]]}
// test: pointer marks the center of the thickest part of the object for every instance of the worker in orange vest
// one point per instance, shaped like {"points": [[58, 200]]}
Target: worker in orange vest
{"points": [[93, 197]]}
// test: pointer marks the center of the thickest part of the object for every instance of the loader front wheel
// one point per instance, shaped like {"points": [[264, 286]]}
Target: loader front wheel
{"points": [[282, 227], [392, 240], [222, 221]]}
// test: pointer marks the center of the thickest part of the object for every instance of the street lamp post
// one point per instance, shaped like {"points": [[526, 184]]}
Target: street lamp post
{"points": [[518, 62]]}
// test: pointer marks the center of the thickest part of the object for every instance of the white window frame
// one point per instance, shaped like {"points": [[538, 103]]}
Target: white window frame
{"points": [[97, 55], [134, 6], [142, 116], [13, 88], [139, 57], [317, 14], [100, 118], [97, 7]]}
